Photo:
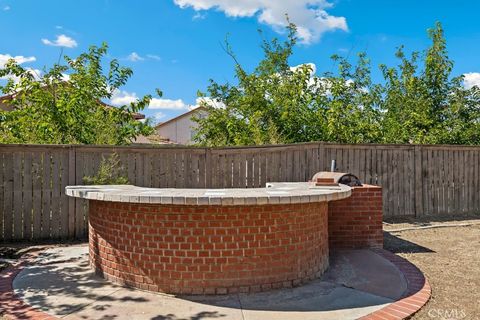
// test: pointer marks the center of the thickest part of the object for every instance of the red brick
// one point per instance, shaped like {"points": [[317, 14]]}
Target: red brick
{"points": [[356, 222], [224, 249]]}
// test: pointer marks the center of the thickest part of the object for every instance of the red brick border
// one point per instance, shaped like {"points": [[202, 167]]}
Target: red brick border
{"points": [[415, 297], [11, 306]]}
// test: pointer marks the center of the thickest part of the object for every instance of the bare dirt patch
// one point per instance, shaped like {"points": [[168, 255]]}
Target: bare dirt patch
{"points": [[450, 259]]}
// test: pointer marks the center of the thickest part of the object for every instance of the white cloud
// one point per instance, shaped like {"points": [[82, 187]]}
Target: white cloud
{"points": [[121, 98], [471, 79], [61, 41], [134, 57], [35, 72], [154, 57], [199, 16], [311, 65], [168, 104], [19, 59], [6, 8], [310, 16], [202, 101], [159, 116]]}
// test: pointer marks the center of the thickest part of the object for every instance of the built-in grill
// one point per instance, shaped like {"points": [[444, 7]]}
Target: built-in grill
{"points": [[325, 177]]}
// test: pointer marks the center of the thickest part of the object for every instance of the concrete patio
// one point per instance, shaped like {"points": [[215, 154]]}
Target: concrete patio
{"points": [[62, 284]]}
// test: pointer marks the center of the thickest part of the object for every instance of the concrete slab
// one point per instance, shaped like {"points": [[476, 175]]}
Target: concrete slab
{"points": [[307, 298], [317, 300], [343, 314], [61, 284], [366, 271], [130, 304], [61, 281]]}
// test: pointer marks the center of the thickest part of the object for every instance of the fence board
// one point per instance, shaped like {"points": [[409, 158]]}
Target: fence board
{"points": [[79, 203], [2, 195], [470, 176], [256, 170], [249, 163], [411, 178], [243, 171], [37, 176], [457, 178], [64, 200], [55, 200], [426, 178], [8, 196], [71, 178], [139, 169], [451, 202], [17, 195], [434, 171], [27, 195], [46, 195], [475, 181], [131, 163], [461, 180]]}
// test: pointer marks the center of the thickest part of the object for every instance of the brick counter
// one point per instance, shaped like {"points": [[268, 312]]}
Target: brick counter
{"points": [[356, 222], [208, 249]]}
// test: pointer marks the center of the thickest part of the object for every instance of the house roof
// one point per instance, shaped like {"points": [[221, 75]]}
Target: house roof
{"points": [[180, 116], [152, 139], [136, 115]]}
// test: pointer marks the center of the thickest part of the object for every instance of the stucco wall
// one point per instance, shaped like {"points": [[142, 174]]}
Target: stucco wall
{"points": [[180, 130]]}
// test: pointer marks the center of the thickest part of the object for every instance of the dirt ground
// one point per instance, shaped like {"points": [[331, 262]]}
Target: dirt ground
{"points": [[450, 259]]}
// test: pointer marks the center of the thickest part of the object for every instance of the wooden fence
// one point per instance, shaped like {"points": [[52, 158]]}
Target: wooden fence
{"points": [[416, 179]]}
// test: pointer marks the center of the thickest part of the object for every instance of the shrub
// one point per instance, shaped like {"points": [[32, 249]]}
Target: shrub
{"points": [[110, 172]]}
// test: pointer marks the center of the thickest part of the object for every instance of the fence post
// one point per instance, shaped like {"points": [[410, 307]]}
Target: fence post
{"points": [[321, 156], [71, 181], [418, 181]]}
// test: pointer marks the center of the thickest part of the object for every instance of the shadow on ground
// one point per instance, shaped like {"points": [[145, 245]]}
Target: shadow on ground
{"points": [[198, 316], [396, 244], [56, 274]]}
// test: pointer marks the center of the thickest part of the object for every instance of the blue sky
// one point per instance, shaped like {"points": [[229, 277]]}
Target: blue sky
{"points": [[175, 44]]}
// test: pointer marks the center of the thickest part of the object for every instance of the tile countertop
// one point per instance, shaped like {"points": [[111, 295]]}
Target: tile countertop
{"points": [[274, 193]]}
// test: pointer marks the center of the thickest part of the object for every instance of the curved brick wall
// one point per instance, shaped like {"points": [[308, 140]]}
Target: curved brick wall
{"points": [[208, 249]]}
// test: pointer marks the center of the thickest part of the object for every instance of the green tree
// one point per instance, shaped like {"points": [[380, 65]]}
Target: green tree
{"points": [[423, 103], [350, 106], [279, 104], [64, 105], [419, 101]]}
